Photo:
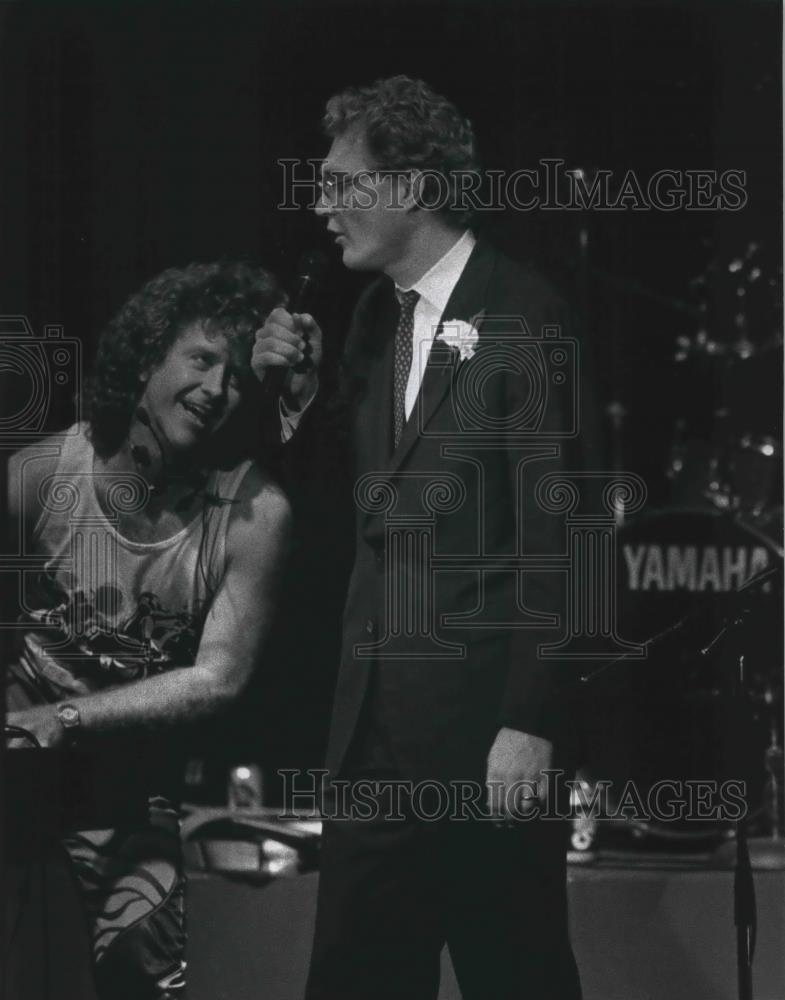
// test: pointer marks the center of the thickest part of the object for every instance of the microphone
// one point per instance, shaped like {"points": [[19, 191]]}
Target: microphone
{"points": [[311, 269]]}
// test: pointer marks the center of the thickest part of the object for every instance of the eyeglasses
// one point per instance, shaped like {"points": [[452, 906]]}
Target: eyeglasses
{"points": [[336, 189]]}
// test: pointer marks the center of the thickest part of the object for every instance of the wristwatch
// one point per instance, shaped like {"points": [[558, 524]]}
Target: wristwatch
{"points": [[70, 720]]}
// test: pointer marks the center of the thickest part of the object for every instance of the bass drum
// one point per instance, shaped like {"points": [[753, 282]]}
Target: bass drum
{"points": [[663, 734]]}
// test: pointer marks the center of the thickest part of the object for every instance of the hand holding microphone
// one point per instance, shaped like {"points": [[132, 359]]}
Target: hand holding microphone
{"points": [[288, 348]]}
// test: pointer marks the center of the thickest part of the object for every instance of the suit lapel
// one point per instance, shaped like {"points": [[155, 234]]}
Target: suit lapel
{"points": [[374, 425], [466, 302], [380, 386]]}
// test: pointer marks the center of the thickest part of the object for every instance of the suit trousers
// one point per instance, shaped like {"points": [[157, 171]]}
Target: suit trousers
{"points": [[406, 877]]}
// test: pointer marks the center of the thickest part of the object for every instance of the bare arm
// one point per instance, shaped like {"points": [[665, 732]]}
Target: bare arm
{"points": [[235, 629]]}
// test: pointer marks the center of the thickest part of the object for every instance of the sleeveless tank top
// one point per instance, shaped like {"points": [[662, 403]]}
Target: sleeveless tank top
{"points": [[104, 610]]}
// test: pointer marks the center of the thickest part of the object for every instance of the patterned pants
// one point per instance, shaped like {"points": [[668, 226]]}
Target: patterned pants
{"points": [[132, 886]]}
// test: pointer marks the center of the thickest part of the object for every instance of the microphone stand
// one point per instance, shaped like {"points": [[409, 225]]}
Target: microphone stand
{"points": [[732, 664], [731, 638], [674, 631], [745, 915]]}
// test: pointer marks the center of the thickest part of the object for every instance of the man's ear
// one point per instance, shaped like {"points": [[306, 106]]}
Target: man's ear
{"points": [[412, 185]]}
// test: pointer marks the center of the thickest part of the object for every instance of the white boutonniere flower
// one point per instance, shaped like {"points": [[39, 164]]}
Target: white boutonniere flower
{"points": [[460, 336]]}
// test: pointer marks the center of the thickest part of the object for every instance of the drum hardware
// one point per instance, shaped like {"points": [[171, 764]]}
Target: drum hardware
{"points": [[616, 412], [731, 636], [741, 349], [754, 459], [731, 469], [584, 820], [245, 787], [766, 446], [257, 845], [744, 907], [699, 470], [668, 717], [774, 763], [726, 454]]}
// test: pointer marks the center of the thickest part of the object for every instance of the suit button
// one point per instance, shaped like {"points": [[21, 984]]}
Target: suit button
{"points": [[379, 557], [370, 626]]}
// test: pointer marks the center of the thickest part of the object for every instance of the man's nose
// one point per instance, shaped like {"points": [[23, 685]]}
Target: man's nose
{"points": [[323, 208], [214, 381]]}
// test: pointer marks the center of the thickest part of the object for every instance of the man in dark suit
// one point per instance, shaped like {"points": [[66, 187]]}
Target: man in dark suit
{"points": [[444, 711]]}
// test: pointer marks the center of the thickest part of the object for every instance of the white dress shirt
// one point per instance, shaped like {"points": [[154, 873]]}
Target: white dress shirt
{"points": [[435, 288]]}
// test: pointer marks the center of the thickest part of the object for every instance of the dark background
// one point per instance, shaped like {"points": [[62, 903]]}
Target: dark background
{"points": [[140, 136]]}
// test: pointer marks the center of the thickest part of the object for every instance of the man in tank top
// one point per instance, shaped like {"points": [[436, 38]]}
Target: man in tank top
{"points": [[161, 547]]}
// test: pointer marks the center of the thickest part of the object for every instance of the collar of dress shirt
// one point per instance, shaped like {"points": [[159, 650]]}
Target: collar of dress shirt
{"points": [[436, 285]]}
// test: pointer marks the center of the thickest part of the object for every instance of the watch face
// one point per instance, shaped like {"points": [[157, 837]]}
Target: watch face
{"points": [[69, 716]]}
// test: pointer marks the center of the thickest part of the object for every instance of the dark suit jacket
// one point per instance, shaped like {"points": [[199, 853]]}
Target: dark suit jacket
{"points": [[442, 699]]}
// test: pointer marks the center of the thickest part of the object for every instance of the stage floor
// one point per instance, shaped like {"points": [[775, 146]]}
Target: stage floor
{"points": [[638, 934], [641, 931]]}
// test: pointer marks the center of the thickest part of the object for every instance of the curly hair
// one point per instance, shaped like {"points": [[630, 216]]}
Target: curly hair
{"points": [[229, 298], [407, 125]]}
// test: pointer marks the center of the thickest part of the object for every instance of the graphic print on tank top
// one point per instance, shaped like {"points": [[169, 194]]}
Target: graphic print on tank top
{"points": [[105, 610], [74, 648]]}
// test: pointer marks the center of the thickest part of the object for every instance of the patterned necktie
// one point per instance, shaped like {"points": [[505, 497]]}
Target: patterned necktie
{"points": [[404, 335]]}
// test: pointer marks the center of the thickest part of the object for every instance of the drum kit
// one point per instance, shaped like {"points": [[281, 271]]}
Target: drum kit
{"points": [[710, 558]]}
